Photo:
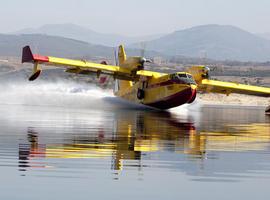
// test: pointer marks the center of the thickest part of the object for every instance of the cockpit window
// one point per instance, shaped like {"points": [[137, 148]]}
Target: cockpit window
{"points": [[189, 76], [182, 75], [183, 78]]}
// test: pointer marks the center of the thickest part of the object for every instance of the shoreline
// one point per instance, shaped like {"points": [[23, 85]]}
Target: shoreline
{"points": [[212, 99]]}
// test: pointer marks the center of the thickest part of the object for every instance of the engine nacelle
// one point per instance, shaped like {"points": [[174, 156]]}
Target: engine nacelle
{"points": [[199, 73], [134, 63]]}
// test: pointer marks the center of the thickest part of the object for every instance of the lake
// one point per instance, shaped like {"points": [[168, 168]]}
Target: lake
{"points": [[77, 147]]}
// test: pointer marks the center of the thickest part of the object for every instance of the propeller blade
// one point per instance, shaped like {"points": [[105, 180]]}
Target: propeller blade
{"points": [[143, 47], [116, 57]]}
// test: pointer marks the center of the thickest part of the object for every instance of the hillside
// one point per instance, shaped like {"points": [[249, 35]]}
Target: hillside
{"points": [[84, 34], [11, 45], [214, 41]]}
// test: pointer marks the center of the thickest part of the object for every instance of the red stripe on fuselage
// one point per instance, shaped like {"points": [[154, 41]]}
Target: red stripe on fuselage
{"points": [[40, 58]]}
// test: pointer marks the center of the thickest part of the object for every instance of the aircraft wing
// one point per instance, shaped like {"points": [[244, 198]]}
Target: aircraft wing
{"points": [[229, 87], [81, 67]]}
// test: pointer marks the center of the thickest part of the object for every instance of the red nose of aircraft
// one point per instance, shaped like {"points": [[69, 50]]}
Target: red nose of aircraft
{"points": [[193, 94]]}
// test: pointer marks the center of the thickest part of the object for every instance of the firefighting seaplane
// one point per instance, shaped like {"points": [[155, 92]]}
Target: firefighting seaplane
{"points": [[135, 84]]}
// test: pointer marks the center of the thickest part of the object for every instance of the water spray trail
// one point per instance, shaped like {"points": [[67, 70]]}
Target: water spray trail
{"points": [[70, 94], [53, 94]]}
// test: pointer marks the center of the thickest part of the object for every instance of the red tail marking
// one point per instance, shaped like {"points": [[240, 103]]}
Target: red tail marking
{"points": [[27, 56]]}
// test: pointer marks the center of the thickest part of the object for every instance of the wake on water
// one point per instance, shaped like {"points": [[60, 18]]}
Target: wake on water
{"points": [[61, 93], [71, 95]]}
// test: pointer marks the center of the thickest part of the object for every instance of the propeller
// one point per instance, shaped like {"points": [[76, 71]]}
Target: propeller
{"points": [[143, 59], [143, 47], [116, 61]]}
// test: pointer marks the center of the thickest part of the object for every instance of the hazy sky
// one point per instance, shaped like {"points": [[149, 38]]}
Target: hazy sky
{"points": [[135, 17]]}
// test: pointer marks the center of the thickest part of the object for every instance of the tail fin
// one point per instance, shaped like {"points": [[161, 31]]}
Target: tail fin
{"points": [[121, 55], [122, 58], [27, 55]]}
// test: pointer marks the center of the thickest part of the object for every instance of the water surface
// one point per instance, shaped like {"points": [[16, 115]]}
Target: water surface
{"points": [[107, 152]]}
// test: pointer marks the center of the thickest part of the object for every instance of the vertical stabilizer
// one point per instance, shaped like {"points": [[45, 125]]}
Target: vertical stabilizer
{"points": [[121, 55], [123, 85]]}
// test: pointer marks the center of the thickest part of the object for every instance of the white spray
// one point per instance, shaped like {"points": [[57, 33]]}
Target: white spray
{"points": [[60, 93]]}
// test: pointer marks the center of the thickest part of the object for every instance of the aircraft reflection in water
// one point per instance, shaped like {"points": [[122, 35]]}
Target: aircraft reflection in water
{"points": [[147, 132], [133, 136]]}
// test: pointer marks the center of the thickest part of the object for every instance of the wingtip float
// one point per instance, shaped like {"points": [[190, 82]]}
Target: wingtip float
{"points": [[133, 83]]}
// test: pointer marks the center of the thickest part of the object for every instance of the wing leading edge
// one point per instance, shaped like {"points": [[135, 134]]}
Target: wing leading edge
{"points": [[229, 87], [83, 67]]}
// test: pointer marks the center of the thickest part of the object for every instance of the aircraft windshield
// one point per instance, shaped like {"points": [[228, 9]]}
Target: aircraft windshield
{"points": [[184, 78]]}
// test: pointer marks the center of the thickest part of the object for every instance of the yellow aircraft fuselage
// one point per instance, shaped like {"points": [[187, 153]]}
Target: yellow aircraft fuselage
{"points": [[163, 92]]}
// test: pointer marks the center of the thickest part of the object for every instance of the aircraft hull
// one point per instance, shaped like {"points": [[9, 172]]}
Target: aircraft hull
{"points": [[267, 111], [164, 96], [175, 100]]}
